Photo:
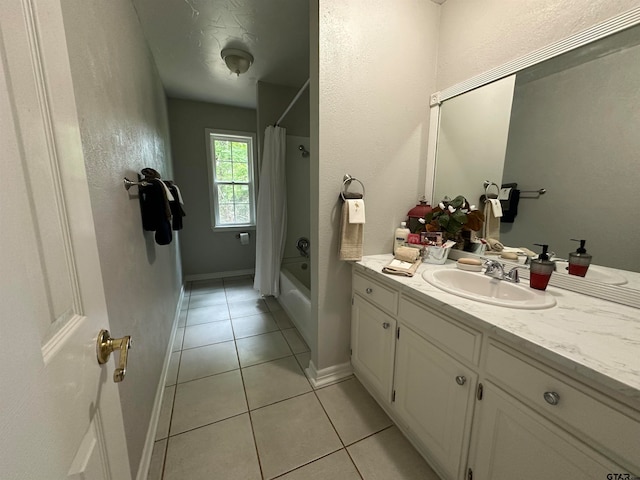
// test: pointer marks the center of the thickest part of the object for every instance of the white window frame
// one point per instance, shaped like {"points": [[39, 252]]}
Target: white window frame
{"points": [[249, 137]]}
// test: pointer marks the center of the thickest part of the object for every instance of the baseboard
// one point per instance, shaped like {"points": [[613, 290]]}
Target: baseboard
{"points": [[329, 375], [147, 451], [210, 276]]}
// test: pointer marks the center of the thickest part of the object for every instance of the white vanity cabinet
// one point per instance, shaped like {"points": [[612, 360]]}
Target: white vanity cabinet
{"points": [[434, 396], [512, 441], [475, 405]]}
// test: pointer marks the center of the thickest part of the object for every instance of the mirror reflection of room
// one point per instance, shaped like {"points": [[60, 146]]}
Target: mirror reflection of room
{"points": [[567, 125]]}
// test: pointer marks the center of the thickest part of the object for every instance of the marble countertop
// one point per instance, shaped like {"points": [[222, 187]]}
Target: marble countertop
{"points": [[597, 339]]}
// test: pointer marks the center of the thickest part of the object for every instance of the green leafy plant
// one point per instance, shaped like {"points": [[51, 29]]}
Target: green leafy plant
{"points": [[452, 217]]}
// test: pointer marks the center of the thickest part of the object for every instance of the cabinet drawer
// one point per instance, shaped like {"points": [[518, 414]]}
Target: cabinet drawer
{"points": [[452, 336], [375, 292], [612, 426]]}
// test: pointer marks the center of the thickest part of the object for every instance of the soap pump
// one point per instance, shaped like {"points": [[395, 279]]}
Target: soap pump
{"points": [[541, 269], [579, 260]]}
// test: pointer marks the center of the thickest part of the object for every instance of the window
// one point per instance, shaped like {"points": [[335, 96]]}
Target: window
{"points": [[231, 161]]}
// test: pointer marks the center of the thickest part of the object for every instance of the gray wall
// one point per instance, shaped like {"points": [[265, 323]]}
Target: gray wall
{"points": [[575, 134], [203, 250], [123, 123], [272, 101], [298, 197]]}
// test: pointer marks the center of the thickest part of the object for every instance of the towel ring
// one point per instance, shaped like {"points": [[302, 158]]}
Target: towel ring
{"points": [[487, 185], [346, 181]]}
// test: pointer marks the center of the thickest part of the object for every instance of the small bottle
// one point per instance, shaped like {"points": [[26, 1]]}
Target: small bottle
{"points": [[579, 260], [541, 270], [400, 237]]}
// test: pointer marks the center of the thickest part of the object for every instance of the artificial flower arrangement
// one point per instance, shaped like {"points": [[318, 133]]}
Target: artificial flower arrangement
{"points": [[452, 218]]}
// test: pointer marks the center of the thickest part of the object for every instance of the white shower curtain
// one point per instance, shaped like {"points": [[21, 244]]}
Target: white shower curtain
{"points": [[271, 215]]}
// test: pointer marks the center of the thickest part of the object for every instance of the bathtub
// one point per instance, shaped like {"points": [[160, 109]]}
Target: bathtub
{"points": [[295, 295]]}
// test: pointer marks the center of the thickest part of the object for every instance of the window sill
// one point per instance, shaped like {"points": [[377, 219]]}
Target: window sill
{"points": [[235, 228]]}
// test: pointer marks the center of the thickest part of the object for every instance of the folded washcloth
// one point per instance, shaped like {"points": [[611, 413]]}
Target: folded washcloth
{"points": [[351, 237], [398, 267], [494, 244], [407, 254]]}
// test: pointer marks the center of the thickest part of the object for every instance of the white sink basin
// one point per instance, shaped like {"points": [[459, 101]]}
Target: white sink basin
{"points": [[479, 287], [596, 274]]}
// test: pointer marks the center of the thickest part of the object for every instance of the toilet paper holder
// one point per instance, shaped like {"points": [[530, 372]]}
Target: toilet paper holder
{"points": [[243, 237]]}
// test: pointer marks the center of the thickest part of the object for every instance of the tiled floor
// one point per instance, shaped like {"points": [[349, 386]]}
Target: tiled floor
{"points": [[237, 404]]}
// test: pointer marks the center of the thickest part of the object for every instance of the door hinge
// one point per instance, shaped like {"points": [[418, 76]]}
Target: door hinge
{"points": [[479, 391], [350, 352], [351, 299], [469, 474], [393, 396], [398, 333]]}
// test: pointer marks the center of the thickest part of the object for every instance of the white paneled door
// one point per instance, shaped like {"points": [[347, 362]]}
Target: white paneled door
{"points": [[60, 415]]}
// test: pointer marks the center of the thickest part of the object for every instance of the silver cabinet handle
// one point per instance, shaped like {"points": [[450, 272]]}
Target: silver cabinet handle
{"points": [[552, 398], [369, 290], [461, 380], [385, 325]]}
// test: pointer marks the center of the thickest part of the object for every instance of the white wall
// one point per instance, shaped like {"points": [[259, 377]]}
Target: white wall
{"points": [[477, 35], [375, 70], [123, 123], [203, 250], [472, 141]]}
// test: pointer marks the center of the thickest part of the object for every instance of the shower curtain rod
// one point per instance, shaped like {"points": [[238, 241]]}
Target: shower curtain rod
{"points": [[295, 99]]}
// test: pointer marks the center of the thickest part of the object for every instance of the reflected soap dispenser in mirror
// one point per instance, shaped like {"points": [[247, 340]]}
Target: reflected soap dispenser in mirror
{"points": [[579, 260], [541, 269]]}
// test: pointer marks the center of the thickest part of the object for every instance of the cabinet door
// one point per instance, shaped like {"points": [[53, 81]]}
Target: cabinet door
{"points": [[434, 397], [373, 335], [512, 441]]}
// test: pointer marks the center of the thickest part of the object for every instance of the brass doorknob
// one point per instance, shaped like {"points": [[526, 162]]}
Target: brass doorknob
{"points": [[105, 345]]}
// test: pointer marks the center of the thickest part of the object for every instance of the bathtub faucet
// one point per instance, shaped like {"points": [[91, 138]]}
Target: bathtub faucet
{"points": [[303, 247]]}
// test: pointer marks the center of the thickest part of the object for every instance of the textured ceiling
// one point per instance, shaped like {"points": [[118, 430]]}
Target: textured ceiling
{"points": [[186, 37]]}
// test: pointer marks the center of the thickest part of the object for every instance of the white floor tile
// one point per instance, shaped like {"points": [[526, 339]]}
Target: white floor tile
{"points": [[262, 348], [213, 298], [246, 308], [274, 381], [164, 419], [337, 466], [273, 304], [241, 294], [172, 370], [304, 359], [216, 313], [207, 400], [177, 341], [204, 361], [223, 450], [182, 319], [253, 325], [388, 455], [294, 340], [292, 433], [207, 334], [157, 460], [282, 319], [353, 412]]}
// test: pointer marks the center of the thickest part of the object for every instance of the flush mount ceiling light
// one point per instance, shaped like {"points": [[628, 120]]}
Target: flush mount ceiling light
{"points": [[238, 61]]}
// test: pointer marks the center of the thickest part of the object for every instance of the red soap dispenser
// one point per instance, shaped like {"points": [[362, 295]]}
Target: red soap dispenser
{"points": [[541, 269], [579, 260]]}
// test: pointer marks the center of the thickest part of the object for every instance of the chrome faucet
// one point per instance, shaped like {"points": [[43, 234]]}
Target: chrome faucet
{"points": [[495, 270]]}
